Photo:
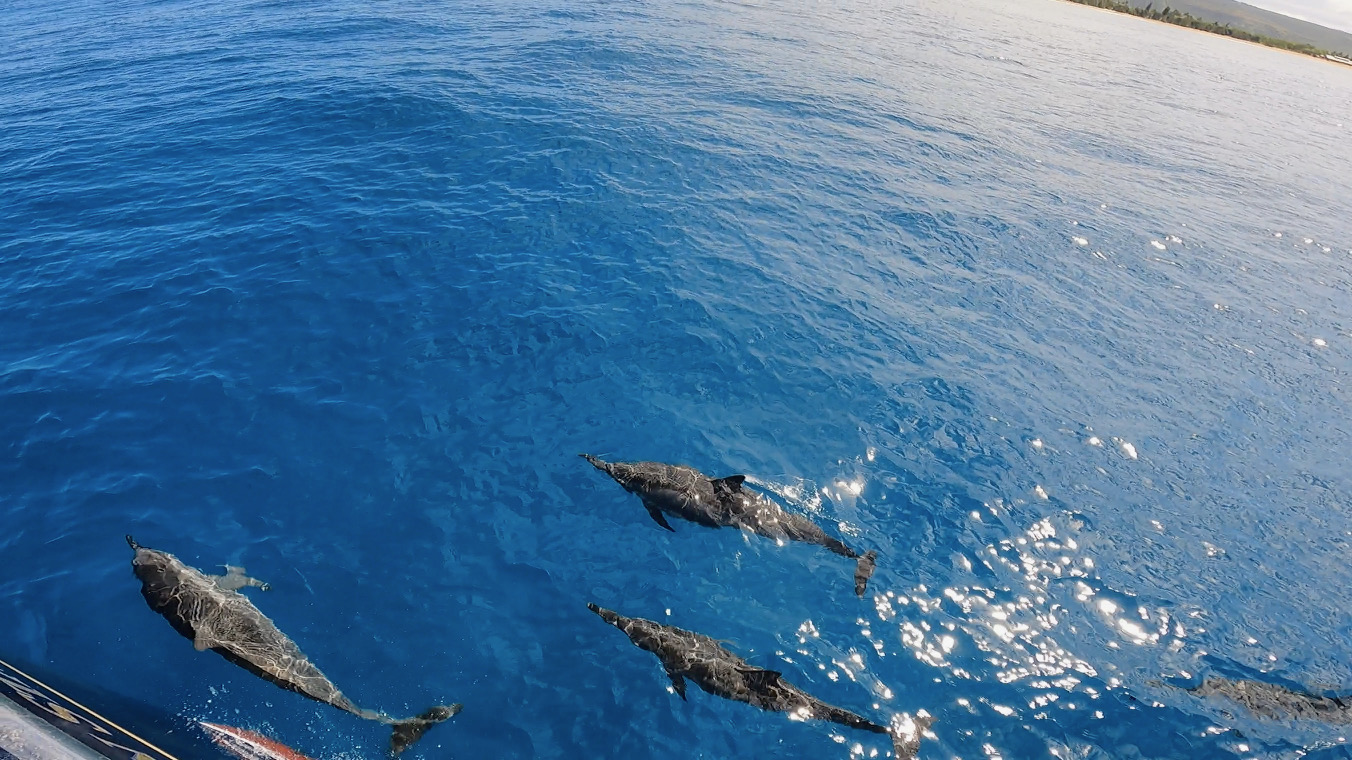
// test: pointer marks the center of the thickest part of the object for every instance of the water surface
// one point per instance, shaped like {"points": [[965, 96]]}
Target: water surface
{"points": [[1046, 304]]}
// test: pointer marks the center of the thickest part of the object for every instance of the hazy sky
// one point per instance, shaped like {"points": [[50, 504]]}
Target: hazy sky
{"points": [[1331, 13]]}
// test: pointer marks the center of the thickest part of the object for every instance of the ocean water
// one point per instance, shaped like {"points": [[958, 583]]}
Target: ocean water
{"points": [[1048, 305]]}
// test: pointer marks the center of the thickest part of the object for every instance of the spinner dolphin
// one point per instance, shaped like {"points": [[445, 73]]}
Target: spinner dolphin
{"points": [[1276, 702], [689, 494], [211, 611], [698, 658]]}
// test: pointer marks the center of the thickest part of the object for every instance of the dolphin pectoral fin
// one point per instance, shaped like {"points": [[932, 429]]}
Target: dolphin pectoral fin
{"points": [[661, 519], [677, 683], [235, 579], [732, 483], [761, 679], [406, 732], [202, 643], [863, 571]]}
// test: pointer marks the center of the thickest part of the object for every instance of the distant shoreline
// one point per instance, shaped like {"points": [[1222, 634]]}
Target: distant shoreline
{"points": [[1188, 21]]}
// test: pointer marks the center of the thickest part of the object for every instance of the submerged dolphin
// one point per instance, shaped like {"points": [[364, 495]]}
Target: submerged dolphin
{"points": [[685, 654], [210, 610], [689, 494], [1269, 700]]}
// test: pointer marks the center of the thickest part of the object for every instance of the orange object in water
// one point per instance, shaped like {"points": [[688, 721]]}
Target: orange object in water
{"points": [[248, 745]]}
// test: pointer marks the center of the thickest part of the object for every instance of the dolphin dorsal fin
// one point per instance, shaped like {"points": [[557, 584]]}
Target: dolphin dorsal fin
{"points": [[733, 483], [761, 679]]}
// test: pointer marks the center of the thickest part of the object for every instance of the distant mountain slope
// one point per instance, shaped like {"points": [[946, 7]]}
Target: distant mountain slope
{"points": [[1256, 20]]}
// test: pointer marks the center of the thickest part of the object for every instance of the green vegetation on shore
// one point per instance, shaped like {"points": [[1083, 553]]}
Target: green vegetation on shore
{"points": [[1171, 16]]}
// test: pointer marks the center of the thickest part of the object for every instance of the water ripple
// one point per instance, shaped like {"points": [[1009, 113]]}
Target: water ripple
{"points": [[1045, 304]]}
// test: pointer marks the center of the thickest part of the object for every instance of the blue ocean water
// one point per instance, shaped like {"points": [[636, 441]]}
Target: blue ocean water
{"points": [[1048, 305]]}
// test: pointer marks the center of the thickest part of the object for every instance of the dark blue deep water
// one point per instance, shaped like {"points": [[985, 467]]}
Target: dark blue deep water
{"points": [[1048, 305]]}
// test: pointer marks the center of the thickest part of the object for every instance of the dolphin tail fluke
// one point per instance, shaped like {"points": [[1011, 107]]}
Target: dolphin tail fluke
{"points": [[906, 741], [406, 732], [864, 570]]}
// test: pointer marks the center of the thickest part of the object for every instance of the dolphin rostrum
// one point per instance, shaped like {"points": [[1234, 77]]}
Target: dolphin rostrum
{"points": [[210, 610], [685, 654], [689, 494]]}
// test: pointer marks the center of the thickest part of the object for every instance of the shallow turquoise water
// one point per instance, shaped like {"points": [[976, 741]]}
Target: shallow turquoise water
{"points": [[1048, 305]]}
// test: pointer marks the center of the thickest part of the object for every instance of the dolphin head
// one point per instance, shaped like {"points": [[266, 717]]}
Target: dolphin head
{"points": [[607, 615], [615, 471], [633, 477], [623, 473], [158, 571], [597, 463], [148, 560]]}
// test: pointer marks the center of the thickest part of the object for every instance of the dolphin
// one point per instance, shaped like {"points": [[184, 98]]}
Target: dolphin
{"points": [[686, 654], [1272, 701], [210, 610], [687, 493]]}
